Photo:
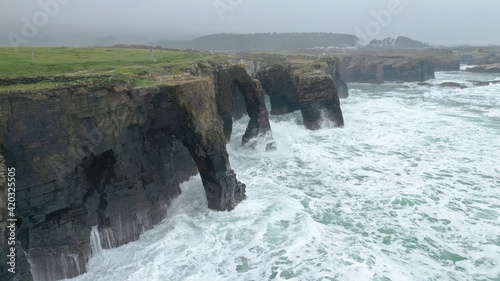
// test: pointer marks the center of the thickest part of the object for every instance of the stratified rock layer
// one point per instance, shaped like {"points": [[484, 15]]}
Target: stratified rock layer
{"points": [[305, 86], [87, 157], [487, 68], [238, 92], [113, 156], [377, 69]]}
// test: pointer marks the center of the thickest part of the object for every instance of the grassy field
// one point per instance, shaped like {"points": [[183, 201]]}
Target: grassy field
{"points": [[133, 65]]}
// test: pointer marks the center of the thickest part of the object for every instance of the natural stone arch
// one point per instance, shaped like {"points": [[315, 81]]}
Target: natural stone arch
{"points": [[307, 87], [235, 89]]}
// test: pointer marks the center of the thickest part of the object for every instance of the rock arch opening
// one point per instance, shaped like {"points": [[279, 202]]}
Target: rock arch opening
{"points": [[239, 94]]}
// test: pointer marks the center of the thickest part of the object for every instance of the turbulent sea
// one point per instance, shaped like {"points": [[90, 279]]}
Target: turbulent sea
{"points": [[408, 190]]}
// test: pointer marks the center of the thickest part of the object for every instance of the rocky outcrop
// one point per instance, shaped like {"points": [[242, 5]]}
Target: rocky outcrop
{"points": [[484, 83], [453, 85], [254, 66], [445, 64], [487, 68], [306, 86], [378, 69], [478, 56], [334, 69], [111, 157], [239, 94], [275, 75]]}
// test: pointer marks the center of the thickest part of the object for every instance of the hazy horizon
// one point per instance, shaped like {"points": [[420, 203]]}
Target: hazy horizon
{"points": [[439, 23]]}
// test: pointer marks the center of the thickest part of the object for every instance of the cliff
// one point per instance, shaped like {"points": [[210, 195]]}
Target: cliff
{"points": [[112, 155], [478, 55], [334, 69], [312, 86], [239, 94], [307, 86], [378, 69], [445, 64], [487, 68]]}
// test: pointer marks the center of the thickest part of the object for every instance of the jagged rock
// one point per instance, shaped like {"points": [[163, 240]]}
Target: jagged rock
{"points": [[424, 84], [445, 64], [113, 159], [445, 85], [377, 69], [478, 56], [338, 80], [113, 156], [485, 83], [487, 68], [306, 86], [238, 92], [280, 84], [255, 66], [452, 85]]}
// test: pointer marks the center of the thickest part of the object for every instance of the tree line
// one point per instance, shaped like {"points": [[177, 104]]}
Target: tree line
{"points": [[265, 41]]}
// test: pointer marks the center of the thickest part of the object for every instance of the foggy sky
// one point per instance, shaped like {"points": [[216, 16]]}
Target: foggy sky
{"points": [[447, 22]]}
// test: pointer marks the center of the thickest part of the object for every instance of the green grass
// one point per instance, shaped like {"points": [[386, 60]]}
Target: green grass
{"points": [[64, 60], [133, 66]]}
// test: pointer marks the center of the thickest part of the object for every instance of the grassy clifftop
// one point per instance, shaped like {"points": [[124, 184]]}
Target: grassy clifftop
{"points": [[134, 66]]}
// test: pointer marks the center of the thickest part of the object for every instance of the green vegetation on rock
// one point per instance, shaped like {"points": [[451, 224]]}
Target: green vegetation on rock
{"points": [[139, 67]]}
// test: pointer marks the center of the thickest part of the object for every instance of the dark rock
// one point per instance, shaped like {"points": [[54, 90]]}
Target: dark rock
{"points": [[487, 68], [478, 56], [485, 83], [279, 83], [445, 85], [205, 140], [106, 155], [338, 80], [424, 84], [448, 64], [238, 93], [377, 69], [106, 158], [452, 85], [306, 86]]}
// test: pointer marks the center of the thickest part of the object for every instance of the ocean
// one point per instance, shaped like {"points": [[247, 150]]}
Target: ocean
{"points": [[408, 190]]}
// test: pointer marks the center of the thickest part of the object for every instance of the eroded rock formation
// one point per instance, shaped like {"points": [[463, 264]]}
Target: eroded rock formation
{"points": [[237, 93], [334, 69], [486, 68], [89, 157], [445, 64], [305, 86], [113, 156], [377, 69]]}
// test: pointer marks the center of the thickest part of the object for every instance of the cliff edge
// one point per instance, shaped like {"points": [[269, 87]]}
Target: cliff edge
{"points": [[103, 158]]}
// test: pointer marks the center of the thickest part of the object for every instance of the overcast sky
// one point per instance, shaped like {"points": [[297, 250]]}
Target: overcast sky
{"points": [[432, 21]]}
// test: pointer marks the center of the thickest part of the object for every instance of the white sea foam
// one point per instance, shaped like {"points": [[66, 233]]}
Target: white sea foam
{"points": [[408, 190]]}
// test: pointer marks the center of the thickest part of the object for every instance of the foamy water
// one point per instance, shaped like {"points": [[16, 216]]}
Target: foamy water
{"points": [[408, 190]]}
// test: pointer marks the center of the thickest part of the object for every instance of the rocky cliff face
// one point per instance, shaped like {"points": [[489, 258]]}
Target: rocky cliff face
{"points": [[111, 158], [478, 56], [450, 64], [334, 69], [377, 69], [487, 68], [305, 86], [239, 94]]}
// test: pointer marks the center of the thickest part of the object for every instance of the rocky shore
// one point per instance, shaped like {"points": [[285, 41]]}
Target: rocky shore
{"points": [[113, 155], [378, 69], [487, 68]]}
